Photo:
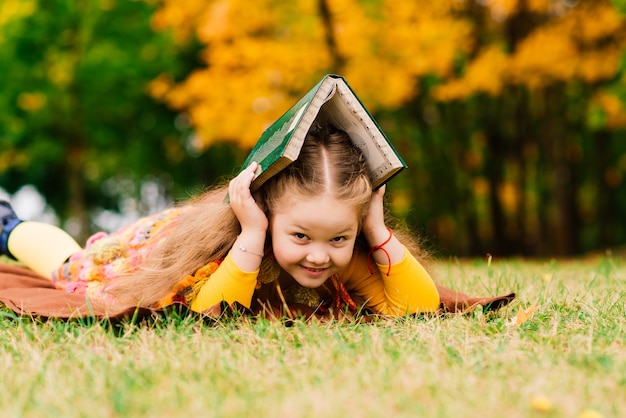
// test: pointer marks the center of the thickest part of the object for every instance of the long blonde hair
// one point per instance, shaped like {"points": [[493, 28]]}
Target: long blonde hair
{"points": [[328, 163]]}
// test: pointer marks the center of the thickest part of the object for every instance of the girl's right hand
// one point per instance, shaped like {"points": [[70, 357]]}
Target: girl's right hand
{"points": [[248, 213], [249, 245]]}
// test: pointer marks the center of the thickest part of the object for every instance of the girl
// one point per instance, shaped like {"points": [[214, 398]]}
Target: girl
{"points": [[313, 237]]}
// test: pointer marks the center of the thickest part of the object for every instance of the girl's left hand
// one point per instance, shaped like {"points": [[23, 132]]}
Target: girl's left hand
{"points": [[374, 220], [376, 231]]}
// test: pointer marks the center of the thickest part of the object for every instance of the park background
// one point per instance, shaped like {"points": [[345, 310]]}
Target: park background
{"points": [[510, 113]]}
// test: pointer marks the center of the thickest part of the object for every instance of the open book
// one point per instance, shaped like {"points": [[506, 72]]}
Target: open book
{"points": [[331, 101]]}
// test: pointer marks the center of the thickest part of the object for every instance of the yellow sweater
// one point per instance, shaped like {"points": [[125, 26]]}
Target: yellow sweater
{"points": [[408, 289]]}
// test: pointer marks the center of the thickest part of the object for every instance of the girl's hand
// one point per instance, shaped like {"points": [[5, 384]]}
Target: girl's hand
{"points": [[374, 220], [247, 251], [248, 213], [377, 233]]}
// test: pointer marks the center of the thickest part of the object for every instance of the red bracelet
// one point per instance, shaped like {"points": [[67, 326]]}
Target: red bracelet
{"points": [[380, 247]]}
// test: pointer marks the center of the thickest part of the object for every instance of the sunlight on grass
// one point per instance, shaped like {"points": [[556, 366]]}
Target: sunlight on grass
{"points": [[566, 360]]}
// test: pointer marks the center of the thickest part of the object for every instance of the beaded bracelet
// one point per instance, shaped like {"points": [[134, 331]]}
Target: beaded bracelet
{"points": [[380, 247], [245, 250]]}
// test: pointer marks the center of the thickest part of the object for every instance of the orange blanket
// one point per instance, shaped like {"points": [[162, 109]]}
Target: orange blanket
{"points": [[28, 293]]}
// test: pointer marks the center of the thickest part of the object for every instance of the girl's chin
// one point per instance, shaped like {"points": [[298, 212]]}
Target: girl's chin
{"points": [[312, 282]]}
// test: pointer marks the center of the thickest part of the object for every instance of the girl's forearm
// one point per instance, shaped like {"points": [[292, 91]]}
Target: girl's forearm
{"points": [[228, 283], [247, 252], [386, 249]]}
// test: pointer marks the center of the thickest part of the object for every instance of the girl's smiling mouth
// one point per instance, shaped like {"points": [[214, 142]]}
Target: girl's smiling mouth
{"points": [[314, 270]]}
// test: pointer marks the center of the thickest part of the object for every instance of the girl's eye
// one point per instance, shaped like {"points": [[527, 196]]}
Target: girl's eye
{"points": [[299, 235], [338, 239]]}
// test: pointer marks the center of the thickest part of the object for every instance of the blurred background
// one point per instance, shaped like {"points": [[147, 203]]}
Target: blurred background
{"points": [[510, 113]]}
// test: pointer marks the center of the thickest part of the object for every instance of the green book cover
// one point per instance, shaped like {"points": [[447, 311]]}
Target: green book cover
{"points": [[330, 101]]}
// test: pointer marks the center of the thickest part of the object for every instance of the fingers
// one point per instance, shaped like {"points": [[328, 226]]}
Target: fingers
{"points": [[240, 185], [380, 193], [242, 202], [375, 218], [247, 174], [378, 198]]}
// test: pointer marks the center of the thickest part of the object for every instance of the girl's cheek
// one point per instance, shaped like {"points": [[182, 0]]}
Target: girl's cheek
{"points": [[345, 257]]}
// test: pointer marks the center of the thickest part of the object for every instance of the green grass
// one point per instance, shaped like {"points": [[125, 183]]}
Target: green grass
{"points": [[567, 360]]}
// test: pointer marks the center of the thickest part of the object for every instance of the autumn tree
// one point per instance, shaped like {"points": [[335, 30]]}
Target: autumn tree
{"points": [[531, 85], [76, 118], [507, 110]]}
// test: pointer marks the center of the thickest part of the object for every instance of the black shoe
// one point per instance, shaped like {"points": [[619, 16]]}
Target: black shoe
{"points": [[6, 213], [8, 221]]}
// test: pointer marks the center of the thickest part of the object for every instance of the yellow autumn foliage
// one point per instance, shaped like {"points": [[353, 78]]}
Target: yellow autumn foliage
{"points": [[182, 16], [261, 56], [486, 74], [593, 21], [545, 56], [613, 109], [502, 9], [14, 9], [581, 43]]}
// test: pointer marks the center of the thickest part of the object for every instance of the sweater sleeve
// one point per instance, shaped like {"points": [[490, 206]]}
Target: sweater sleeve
{"points": [[408, 289], [228, 283]]}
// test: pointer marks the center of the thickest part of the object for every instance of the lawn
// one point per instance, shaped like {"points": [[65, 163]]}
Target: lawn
{"points": [[557, 351]]}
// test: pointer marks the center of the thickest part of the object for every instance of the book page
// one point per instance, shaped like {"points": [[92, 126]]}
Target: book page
{"points": [[345, 112]]}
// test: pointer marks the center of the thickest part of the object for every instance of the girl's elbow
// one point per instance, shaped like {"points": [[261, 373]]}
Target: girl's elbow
{"points": [[427, 303], [431, 305]]}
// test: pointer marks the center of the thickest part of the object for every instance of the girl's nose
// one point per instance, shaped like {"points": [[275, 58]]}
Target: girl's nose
{"points": [[318, 255]]}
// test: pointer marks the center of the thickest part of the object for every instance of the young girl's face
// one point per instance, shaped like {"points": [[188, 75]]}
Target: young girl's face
{"points": [[313, 238]]}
